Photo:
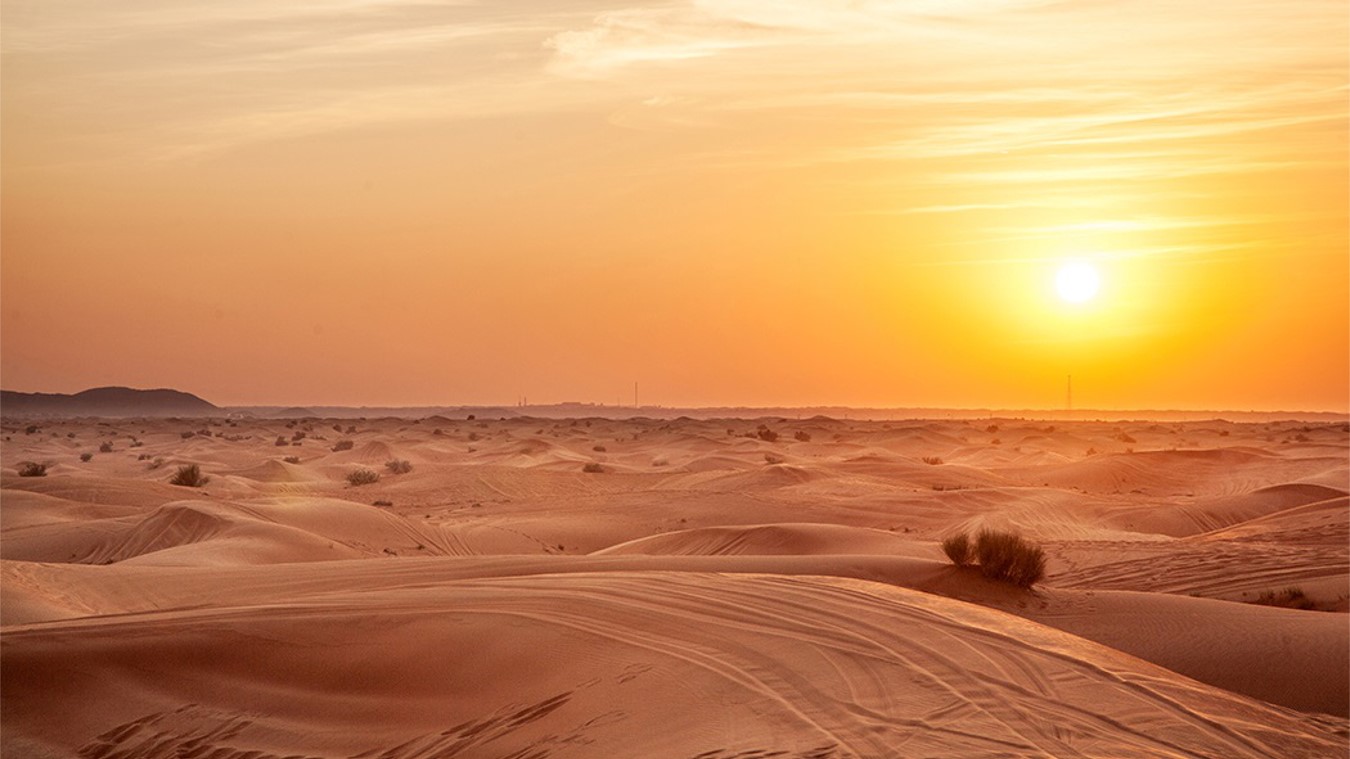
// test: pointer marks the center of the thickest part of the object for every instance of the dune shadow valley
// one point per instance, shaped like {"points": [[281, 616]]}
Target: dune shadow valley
{"points": [[249, 587]]}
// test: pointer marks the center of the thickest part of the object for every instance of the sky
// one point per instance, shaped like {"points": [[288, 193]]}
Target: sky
{"points": [[730, 202]]}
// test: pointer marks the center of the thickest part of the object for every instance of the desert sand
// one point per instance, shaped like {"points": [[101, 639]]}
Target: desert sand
{"points": [[703, 593]]}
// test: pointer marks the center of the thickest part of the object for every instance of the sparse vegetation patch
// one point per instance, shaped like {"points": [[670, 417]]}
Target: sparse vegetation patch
{"points": [[362, 477], [958, 549], [189, 475], [1002, 556]]}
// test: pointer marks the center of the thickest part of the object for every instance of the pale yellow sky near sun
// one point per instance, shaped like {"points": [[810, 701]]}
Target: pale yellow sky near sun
{"points": [[730, 201]]}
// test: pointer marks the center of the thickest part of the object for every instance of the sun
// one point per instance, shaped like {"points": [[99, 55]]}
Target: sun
{"points": [[1077, 282]]}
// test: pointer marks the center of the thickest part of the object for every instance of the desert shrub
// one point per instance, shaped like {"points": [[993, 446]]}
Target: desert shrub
{"points": [[958, 549], [281, 440], [382, 503], [773, 458], [438, 431], [991, 429], [292, 459], [86, 456], [337, 428], [189, 475], [30, 429], [32, 469], [1125, 438], [1289, 598], [471, 417], [105, 448], [474, 436], [185, 434], [343, 445], [1006, 556], [362, 477], [932, 460], [599, 448], [766, 434], [593, 467], [136, 443], [398, 466], [802, 435], [996, 441], [156, 464], [142, 457], [299, 435], [1092, 451], [351, 429]]}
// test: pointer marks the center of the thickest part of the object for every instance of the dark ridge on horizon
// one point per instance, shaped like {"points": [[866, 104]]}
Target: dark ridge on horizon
{"points": [[107, 401]]}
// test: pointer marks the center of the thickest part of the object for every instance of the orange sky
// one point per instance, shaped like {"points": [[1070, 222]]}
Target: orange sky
{"points": [[740, 202]]}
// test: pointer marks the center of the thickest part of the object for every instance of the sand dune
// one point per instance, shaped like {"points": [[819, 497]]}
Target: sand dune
{"points": [[704, 594], [588, 662]]}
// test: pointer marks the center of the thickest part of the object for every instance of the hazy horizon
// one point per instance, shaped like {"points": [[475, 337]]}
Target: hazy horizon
{"points": [[656, 405], [732, 202]]}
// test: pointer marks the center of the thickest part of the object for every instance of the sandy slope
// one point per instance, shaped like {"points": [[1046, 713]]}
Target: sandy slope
{"points": [[617, 664], [708, 593]]}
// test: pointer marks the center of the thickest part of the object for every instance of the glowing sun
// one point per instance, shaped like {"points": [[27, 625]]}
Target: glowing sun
{"points": [[1077, 282]]}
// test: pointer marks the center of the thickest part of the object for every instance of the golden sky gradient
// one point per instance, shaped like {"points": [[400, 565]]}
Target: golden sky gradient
{"points": [[755, 202]]}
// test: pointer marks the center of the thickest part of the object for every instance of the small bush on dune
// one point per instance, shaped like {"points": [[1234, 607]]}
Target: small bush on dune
{"points": [[1002, 556], [85, 457], [1289, 598], [362, 477], [398, 466], [802, 436], [343, 445], [105, 448], [186, 434], [593, 468], [292, 459], [958, 549], [32, 469], [281, 440], [932, 460], [599, 448], [189, 475], [1006, 556], [773, 458]]}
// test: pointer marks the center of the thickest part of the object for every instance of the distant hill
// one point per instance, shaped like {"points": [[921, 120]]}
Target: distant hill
{"points": [[106, 401]]}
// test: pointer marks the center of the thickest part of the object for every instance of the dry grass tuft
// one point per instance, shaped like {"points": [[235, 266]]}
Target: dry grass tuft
{"points": [[190, 476], [362, 477]]}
